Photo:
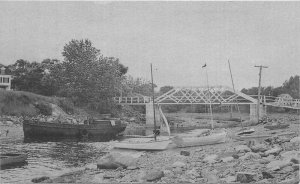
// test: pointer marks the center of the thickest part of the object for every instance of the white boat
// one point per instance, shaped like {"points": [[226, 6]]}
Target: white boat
{"points": [[144, 144], [190, 141]]}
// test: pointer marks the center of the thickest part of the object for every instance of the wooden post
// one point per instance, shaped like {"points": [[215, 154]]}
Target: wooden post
{"points": [[259, 88]]}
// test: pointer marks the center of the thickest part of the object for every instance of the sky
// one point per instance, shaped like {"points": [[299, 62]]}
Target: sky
{"points": [[178, 38]]}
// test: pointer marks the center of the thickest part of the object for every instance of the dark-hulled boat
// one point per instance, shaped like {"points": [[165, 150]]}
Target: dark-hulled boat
{"points": [[99, 129], [7, 159]]}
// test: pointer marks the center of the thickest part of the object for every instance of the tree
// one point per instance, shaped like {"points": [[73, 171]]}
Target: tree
{"points": [[88, 77]]}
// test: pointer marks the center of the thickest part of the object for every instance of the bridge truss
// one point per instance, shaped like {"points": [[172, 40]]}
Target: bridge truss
{"points": [[220, 95]]}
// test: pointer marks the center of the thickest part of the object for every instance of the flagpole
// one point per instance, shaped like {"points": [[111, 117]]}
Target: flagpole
{"points": [[210, 108]]}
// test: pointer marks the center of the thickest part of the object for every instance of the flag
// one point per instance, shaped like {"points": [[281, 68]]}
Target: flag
{"points": [[204, 65]]}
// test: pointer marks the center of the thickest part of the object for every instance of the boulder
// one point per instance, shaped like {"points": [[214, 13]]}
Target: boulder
{"points": [[287, 169], [153, 175], [290, 155], [295, 140], [250, 155], [242, 149], [185, 153], [259, 148], [39, 179], [210, 158], [192, 173], [274, 151], [266, 175], [264, 161], [115, 160], [245, 177], [229, 179], [278, 164], [227, 159], [91, 166], [179, 164]]}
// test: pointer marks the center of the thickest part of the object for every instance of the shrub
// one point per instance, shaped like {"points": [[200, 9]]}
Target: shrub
{"points": [[44, 108], [66, 105]]}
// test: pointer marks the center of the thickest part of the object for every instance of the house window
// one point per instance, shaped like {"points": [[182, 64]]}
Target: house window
{"points": [[5, 80]]}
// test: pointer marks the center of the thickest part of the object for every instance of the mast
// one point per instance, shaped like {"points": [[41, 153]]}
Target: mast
{"points": [[211, 117], [153, 103], [238, 108]]}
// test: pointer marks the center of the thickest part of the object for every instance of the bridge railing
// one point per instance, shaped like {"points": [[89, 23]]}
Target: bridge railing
{"points": [[132, 100], [278, 101]]}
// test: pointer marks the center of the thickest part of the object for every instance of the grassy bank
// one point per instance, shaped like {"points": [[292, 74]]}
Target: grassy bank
{"points": [[21, 103]]}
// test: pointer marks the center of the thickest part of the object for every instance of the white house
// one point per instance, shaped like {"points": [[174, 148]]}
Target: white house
{"points": [[5, 80]]}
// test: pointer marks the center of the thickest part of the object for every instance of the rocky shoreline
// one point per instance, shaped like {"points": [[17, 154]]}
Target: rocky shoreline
{"points": [[270, 160]]}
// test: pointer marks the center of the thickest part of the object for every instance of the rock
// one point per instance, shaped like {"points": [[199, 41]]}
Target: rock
{"points": [[185, 153], [266, 175], [259, 148], [192, 173], [287, 169], [114, 160], [229, 179], [179, 164], [10, 123], [132, 167], [153, 175], [250, 155], [98, 178], [245, 177], [264, 161], [278, 164], [40, 179], [295, 140], [212, 178], [227, 159], [295, 161], [199, 149], [178, 171], [274, 151], [289, 155], [106, 176], [242, 149], [91, 166], [235, 156], [296, 167], [210, 158]]}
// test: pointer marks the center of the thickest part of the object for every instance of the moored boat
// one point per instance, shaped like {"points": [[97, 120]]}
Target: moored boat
{"points": [[276, 126], [190, 141], [144, 144], [7, 159], [102, 129]]}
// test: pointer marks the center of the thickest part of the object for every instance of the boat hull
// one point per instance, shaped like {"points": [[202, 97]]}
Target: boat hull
{"points": [[104, 130], [217, 138], [12, 159], [276, 127], [147, 146]]}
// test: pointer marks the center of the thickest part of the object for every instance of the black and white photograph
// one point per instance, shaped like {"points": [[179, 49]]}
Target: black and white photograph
{"points": [[173, 92]]}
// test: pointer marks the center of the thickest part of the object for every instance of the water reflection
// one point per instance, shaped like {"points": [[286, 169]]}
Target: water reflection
{"points": [[49, 158]]}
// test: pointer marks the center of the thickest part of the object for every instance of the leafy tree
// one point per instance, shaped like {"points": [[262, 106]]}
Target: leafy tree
{"points": [[88, 77]]}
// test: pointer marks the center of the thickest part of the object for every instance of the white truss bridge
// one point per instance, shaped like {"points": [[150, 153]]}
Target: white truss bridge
{"points": [[220, 95]]}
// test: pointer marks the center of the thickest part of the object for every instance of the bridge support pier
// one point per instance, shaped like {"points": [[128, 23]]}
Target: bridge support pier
{"points": [[253, 111], [150, 115]]}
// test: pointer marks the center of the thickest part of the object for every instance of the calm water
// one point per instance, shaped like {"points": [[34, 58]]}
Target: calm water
{"points": [[50, 158], [53, 158]]}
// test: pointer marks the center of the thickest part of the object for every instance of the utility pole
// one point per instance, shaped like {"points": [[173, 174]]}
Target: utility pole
{"points": [[259, 86]]}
